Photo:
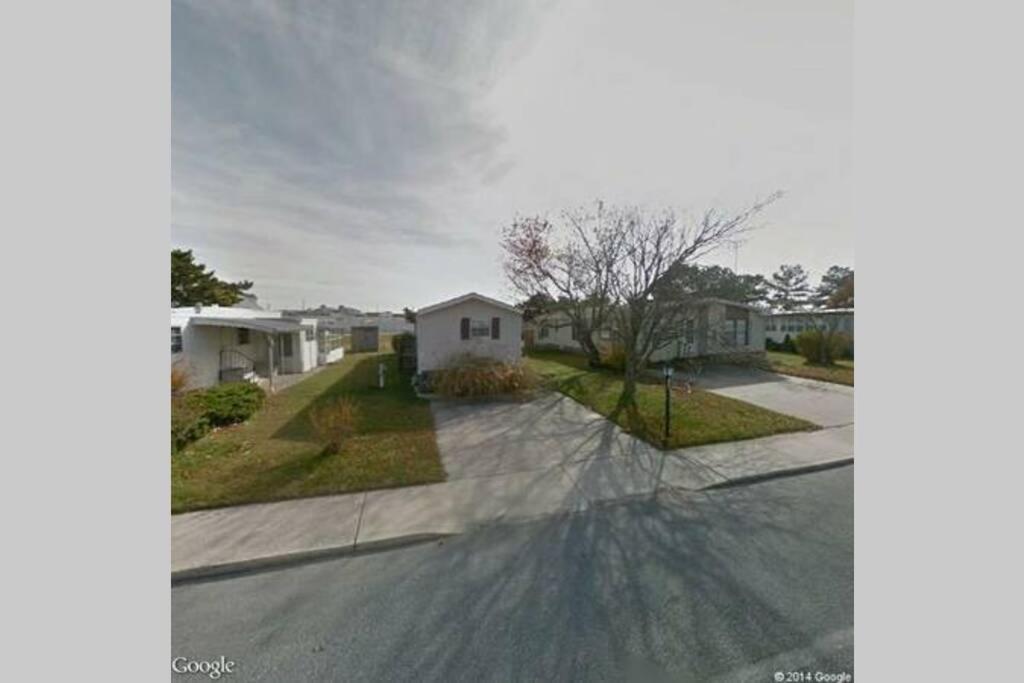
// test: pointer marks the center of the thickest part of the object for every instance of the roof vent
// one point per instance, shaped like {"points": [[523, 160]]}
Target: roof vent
{"points": [[199, 308]]}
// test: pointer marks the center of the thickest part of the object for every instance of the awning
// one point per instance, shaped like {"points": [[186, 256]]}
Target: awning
{"points": [[268, 325]]}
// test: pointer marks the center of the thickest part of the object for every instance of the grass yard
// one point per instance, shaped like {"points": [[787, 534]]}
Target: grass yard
{"points": [[697, 418], [274, 456], [795, 364]]}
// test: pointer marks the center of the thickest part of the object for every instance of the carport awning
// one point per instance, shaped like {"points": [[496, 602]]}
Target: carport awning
{"points": [[268, 325]]}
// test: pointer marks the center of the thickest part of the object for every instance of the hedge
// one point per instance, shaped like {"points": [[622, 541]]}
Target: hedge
{"points": [[195, 413]]}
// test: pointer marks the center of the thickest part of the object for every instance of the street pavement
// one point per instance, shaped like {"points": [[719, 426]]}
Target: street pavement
{"points": [[732, 584]]}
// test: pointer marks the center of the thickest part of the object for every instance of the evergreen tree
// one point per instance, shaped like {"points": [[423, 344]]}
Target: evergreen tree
{"points": [[834, 282], [192, 284], [789, 288]]}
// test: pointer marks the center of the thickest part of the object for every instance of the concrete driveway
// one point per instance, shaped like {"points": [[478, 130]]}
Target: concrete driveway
{"points": [[481, 439], [823, 403]]}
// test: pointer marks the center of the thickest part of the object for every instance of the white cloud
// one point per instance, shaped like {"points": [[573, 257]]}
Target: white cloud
{"points": [[368, 154]]}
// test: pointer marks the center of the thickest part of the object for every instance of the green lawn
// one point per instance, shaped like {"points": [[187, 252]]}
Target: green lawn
{"points": [[697, 418], [795, 364], [274, 455]]}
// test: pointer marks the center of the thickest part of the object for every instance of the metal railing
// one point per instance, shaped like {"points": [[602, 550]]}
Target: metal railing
{"points": [[235, 365]]}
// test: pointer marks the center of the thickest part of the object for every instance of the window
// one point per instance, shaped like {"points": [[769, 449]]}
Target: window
{"points": [[286, 345], [737, 326], [543, 331], [688, 331], [479, 328], [243, 336], [574, 332], [176, 345], [310, 334], [736, 333]]}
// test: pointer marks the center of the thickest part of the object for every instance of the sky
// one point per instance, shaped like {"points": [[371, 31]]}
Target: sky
{"points": [[369, 153]]}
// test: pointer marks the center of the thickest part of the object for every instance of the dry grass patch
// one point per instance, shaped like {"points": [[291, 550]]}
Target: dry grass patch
{"points": [[279, 453]]}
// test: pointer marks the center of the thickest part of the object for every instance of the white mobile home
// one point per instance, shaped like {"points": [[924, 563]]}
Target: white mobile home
{"points": [[779, 324], [228, 344], [716, 327], [470, 324]]}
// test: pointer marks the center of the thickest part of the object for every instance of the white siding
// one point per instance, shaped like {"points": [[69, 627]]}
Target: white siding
{"points": [[202, 345], [709, 328], [559, 333], [793, 324], [438, 335]]}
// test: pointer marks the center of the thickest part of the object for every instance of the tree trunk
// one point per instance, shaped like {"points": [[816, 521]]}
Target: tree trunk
{"points": [[593, 354], [627, 399]]}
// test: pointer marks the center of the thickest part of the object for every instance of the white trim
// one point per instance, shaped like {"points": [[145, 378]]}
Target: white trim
{"points": [[468, 297]]}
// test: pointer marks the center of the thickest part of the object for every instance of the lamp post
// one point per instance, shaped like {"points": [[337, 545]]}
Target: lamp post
{"points": [[667, 370]]}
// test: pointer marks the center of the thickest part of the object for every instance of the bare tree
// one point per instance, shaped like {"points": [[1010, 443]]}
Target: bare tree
{"points": [[644, 282], [620, 267], [569, 263]]}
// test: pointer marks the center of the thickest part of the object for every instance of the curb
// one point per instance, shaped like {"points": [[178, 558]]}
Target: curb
{"points": [[269, 562], [778, 474]]}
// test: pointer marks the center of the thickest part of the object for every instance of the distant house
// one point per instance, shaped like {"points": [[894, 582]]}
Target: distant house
{"points": [[344, 318], [716, 327], [468, 324], [778, 324], [230, 344]]}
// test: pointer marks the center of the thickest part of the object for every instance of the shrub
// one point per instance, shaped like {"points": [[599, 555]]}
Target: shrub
{"points": [[614, 357], [333, 423], [786, 345], [195, 413], [188, 421], [821, 348], [470, 376], [400, 339], [179, 378], [233, 402], [404, 346]]}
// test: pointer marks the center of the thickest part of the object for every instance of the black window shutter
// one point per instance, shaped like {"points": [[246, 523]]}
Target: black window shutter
{"points": [[495, 328], [465, 328]]}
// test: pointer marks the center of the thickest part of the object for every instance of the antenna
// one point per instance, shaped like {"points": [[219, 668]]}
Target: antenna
{"points": [[735, 244]]}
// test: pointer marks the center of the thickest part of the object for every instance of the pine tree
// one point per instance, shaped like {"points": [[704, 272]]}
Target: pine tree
{"points": [[192, 284], [789, 288]]}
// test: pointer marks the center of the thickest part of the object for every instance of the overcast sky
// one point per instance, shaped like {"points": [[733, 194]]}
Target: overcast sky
{"points": [[368, 153]]}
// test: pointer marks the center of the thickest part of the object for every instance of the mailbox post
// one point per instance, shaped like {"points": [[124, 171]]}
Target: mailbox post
{"points": [[667, 372]]}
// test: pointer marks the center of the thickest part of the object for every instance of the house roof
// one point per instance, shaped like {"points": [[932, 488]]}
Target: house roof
{"points": [[270, 325], [728, 302], [815, 311], [561, 310], [468, 297]]}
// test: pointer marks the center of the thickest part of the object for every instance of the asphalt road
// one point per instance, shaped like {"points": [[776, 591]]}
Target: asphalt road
{"points": [[735, 584]]}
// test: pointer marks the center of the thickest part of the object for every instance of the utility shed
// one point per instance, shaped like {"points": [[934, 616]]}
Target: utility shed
{"points": [[365, 338]]}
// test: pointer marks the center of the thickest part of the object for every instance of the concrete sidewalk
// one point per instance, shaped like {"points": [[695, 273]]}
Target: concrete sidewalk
{"points": [[504, 462]]}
